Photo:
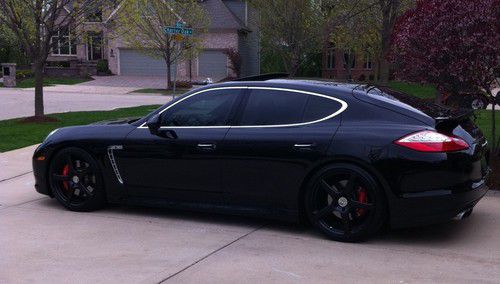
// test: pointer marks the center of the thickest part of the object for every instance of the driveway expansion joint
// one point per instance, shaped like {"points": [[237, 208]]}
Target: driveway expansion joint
{"points": [[16, 176], [210, 254]]}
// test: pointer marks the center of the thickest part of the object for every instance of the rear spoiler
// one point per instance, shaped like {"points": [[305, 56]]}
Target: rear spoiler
{"points": [[450, 122]]}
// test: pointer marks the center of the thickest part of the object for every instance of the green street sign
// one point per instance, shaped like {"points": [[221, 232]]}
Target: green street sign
{"points": [[179, 29]]}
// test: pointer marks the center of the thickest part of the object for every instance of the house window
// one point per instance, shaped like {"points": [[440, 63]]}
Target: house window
{"points": [[349, 57], [330, 58], [368, 61], [94, 46], [63, 43]]}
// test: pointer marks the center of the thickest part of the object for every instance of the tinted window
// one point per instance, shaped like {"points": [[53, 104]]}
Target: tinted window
{"points": [[269, 107], [318, 108], [212, 108]]}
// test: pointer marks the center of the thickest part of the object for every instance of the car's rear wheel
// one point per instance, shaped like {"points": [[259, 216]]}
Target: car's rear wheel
{"points": [[75, 180], [345, 202]]}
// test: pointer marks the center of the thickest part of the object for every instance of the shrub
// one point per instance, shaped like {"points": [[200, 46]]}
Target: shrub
{"points": [[362, 78], [102, 66], [182, 84], [24, 74]]}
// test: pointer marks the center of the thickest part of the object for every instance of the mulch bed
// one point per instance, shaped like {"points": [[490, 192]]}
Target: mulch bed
{"points": [[38, 119]]}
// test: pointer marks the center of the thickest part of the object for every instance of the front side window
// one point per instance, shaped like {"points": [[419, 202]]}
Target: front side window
{"points": [[63, 43], [271, 107], [212, 108]]}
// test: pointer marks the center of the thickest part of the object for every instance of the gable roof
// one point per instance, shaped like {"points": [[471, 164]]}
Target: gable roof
{"points": [[221, 17]]}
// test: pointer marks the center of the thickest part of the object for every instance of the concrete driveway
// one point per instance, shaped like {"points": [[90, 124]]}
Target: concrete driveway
{"points": [[42, 242], [112, 85]]}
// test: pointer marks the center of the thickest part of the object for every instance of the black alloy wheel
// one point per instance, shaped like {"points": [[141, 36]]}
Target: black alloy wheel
{"points": [[345, 203], [76, 181]]}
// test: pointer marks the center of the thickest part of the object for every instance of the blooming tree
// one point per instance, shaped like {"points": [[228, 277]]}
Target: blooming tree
{"points": [[453, 44]]}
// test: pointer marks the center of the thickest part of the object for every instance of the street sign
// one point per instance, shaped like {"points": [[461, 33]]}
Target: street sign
{"points": [[179, 29]]}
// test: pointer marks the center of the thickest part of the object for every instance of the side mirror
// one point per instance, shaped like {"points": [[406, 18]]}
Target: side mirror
{"points": [[154, 125]]}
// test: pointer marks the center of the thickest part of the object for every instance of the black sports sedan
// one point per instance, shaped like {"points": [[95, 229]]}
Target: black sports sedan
{"points": [[348, 158]]}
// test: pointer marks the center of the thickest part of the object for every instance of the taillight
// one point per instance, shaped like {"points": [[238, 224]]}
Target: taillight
{"points": [[430, 141]]}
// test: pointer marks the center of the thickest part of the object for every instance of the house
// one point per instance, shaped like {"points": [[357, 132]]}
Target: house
{"points": [[233, 24], [334, 64]]}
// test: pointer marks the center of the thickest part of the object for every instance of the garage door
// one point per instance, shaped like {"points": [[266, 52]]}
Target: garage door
{"points": [[213, 64], [133, 62]]}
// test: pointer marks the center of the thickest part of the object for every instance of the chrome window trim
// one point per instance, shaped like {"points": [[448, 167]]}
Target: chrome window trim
{"points": [[339, 111]]}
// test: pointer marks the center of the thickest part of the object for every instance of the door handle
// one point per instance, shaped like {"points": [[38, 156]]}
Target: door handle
{"points": [[207, 146], [304, 146]]}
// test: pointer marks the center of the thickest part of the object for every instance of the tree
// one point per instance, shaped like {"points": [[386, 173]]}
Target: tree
{"points": [[451, 43], [235, 59], [291, 29], [141, 24], [352, 29], [34, 23]]}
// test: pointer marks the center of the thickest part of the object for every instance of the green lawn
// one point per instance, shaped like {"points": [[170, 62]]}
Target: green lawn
{"points": [[418, 90], [483, 120], [14, 135], [50, 81]]}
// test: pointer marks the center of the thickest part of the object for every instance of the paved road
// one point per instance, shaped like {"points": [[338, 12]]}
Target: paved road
{"points": [[20, 103], [41, 242]]}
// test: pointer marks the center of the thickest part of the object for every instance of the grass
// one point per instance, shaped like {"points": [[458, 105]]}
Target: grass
{"points": [[50, 81], [164, 92], [418, 90], [483, 120], [14, 134]]}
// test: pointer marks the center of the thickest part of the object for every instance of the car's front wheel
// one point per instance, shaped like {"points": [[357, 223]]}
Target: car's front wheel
{"points": [[345, 202], [76, 181]]}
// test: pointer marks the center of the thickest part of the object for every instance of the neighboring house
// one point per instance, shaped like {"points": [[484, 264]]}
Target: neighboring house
{"points": [[334, 65], [233, 24]]}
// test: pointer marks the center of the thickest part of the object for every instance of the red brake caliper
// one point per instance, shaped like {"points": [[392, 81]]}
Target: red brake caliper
{"points": [[65, 172], [362, 198]]}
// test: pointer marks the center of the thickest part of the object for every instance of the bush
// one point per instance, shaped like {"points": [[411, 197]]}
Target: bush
{"points": [[102, 66], [64, 64], [24, 74], [182, 84], [362, 78]]}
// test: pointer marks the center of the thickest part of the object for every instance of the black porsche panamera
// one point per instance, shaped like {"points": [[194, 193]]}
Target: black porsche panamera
{"points": [[346, 157]]}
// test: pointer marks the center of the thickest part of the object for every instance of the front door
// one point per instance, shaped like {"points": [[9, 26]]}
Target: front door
{"points": [[186, 168]]}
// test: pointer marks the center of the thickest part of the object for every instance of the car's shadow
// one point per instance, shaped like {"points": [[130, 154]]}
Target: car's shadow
{"points": [[424, 235]]}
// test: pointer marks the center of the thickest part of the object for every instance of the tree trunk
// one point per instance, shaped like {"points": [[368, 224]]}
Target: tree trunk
{"points": [[384, 64], [39, 109], [494, 145]]}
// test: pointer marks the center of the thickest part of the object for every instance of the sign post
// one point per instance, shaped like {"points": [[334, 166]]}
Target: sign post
{"points": [[178, 32]]}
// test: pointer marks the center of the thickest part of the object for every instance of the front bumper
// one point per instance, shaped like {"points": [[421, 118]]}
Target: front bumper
{"points": [[432, 207]]}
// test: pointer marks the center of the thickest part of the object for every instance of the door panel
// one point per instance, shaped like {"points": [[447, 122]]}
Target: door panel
{"points": [[265, 166], [172, 168], [280, 137], [187, 168]]}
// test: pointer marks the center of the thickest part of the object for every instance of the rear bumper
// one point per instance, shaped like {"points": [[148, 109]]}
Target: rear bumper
{"points": [[434, 206]]}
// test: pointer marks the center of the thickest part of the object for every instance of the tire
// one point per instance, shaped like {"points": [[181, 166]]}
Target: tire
{"points": [[345, 202], [76, 181]]}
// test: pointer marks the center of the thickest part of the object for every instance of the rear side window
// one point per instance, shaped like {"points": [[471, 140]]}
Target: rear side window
{"points": [[319, 107], [271, 107]]}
